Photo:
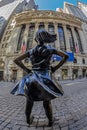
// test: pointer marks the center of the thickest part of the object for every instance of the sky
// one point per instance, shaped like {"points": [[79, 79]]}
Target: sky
{"points": [[53, 4]]}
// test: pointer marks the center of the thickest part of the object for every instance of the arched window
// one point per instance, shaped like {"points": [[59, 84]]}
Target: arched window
{"points": [[41, 26], [21, 37], [51, 31], [61, 38], [71, 40], [78, 40], [30, 36], [51, 28]]}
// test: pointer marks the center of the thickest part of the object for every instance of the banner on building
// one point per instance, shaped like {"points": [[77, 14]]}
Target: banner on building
{"points": [[77, 48], [58, 58], [23, 47]]}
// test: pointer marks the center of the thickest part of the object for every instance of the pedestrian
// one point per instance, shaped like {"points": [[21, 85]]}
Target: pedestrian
{"points": [[39, 86]]}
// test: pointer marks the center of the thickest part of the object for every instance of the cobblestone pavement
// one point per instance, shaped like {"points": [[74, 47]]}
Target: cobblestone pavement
{"points": [[70, 111]]}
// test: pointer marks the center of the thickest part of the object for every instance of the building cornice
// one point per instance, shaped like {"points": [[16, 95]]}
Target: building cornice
{"points": [[44, 15]]}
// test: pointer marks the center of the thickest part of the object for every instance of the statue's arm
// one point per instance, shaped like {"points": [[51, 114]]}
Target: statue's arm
{"points": [[19, 59], [64, 59]]}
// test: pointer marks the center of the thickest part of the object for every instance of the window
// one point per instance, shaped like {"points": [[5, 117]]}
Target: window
{"points": [[71, 40], [41, 26], [6, 33], [9, 32], [51, 28], [21, 37], [2, 45], [61, 38], [4, 39], [9, 27], [30, 36], [6, 45], [78, 40], [8, 38]]}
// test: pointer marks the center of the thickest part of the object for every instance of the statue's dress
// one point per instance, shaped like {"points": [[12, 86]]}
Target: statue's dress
{"points": [[39, 84]]}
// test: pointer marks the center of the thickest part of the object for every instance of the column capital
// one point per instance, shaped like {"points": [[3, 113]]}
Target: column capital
{"points": [[64, 24], [55, 23], [36, 26]]}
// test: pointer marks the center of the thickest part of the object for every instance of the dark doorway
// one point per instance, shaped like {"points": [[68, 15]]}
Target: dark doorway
{"points": [[75, 74], [14, 77], [1, 75], [64, 73], [84, 72]]}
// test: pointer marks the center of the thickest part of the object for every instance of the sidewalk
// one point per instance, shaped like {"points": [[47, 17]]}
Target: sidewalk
{"points": [[75, 80], [70, 111]]}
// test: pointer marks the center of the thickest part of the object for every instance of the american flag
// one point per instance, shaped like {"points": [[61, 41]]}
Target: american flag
{"points": [[23, 47], [77, 48]]}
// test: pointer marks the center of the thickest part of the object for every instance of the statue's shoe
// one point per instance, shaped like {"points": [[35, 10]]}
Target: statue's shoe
{"points": [[29, 121]]}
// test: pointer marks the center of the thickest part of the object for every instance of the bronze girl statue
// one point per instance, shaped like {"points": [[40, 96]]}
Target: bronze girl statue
{"points": [[38, 84]]}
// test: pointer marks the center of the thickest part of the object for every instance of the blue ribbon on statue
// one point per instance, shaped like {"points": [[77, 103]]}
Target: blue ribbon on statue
{"points": [[58, 58]]}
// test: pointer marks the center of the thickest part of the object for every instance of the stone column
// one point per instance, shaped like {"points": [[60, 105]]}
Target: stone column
{"points": [[6, 70], [83, 41], [14, 40], [46, 26], [57, 43], [79, 71], [26, 34], [36, 29], [74, 35], [66, 38], [70, 72]]}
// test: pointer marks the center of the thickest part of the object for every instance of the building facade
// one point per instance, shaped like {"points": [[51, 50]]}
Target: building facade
{"points": [[70, 38], [11, 7], [83, 7], [5, 2], [78, 12], [7, 9]]}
